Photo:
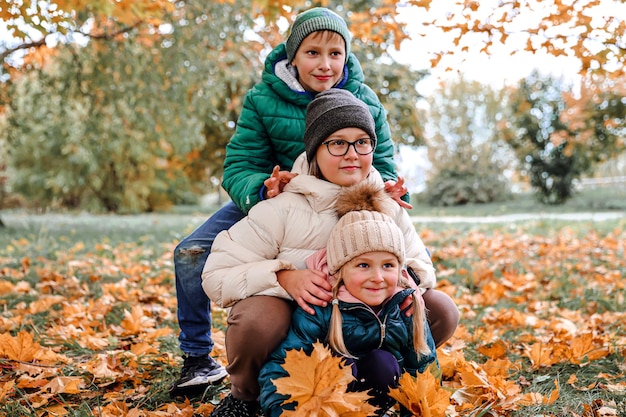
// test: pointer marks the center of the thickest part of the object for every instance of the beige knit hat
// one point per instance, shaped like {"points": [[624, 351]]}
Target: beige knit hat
{"points": [[359, 232]]}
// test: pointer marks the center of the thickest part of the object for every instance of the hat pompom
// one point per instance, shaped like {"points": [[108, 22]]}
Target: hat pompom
{"points": [[363, 196]]}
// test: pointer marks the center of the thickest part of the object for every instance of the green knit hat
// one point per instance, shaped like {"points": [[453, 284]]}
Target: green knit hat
{"points": [[314, 20]]}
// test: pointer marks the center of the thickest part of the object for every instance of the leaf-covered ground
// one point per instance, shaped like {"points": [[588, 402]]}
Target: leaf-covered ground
{"points": [[88, 320]]}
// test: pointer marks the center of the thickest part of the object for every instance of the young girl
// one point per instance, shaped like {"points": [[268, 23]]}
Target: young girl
{"points": [[257, 267], [365, 324]]}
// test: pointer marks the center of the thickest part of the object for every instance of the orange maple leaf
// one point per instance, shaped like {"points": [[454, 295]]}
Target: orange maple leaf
{"points": [[24, 349], [423, 395], [582, 347], [319, 383], [495, 350], [540, 355], [535, 398], [135, 321], [6, 388], [65, 385]]}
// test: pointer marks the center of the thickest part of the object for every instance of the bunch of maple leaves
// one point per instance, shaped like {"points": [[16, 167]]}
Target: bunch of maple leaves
{"points": [[318, 383], [95, 326]]}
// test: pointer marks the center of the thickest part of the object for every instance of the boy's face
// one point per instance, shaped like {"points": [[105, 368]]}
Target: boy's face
{"points": [[372, 277], [350, 168], [320, 60]]}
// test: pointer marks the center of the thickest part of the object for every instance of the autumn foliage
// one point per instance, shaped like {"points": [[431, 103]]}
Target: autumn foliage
{"points": [[90, 329]]}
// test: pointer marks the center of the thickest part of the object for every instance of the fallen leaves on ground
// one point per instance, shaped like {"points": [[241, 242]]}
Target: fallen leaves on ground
{"points": [[92, 331]]}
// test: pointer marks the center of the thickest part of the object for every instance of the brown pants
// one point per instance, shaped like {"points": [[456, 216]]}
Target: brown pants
{"points": [[443, 315], [257, 325]]}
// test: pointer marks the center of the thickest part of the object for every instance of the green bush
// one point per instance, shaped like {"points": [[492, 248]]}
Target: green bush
{"points": [[450, 187]]}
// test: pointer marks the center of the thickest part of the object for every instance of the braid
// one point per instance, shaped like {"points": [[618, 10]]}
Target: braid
{"points": [[335, 332], [419, 323]]}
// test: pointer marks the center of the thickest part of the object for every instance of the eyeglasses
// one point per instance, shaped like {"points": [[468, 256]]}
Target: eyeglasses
{"points": [[340, 147]]}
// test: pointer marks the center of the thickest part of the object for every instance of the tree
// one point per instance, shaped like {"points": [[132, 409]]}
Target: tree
{"points": [[467, 157], [135, 123], [34, 24], [558, 136]]}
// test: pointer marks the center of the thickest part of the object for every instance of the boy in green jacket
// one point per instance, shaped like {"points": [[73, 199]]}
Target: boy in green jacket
{"points": [[315, 57]]}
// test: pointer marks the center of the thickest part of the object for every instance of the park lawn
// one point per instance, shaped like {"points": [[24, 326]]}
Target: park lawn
{"points": [[88, 322]]}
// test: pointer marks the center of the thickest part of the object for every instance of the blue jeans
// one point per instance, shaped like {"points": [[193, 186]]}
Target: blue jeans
{"points": [[194, 307]]}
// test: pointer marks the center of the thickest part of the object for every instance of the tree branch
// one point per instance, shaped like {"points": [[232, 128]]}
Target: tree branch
{"points": [[108, 36], [35, 44], [41, 42]]}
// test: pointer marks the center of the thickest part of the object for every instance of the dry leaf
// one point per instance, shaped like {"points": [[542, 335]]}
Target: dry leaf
{"points": [[423, 395], [319, 383]]}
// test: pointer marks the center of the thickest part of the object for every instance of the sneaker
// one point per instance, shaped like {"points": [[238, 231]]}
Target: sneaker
{"points": [[197, 374], [232, 407]]}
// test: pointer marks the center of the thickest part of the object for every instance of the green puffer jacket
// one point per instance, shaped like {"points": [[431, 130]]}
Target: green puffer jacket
{"points": [[271, 126]]}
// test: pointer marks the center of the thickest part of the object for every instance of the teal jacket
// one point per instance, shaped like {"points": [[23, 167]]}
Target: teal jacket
{"points": [[271, 126], [363, 331]]}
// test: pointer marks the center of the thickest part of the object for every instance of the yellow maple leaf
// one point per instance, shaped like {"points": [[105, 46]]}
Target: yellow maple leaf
{"points": [[423, 395], [319, 383], [100, 368]]}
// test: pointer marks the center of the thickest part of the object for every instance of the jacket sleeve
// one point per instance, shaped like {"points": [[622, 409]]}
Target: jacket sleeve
{"points": [[384, 154], [417, 257], [243, 263], [249, 157], [305, 330]]}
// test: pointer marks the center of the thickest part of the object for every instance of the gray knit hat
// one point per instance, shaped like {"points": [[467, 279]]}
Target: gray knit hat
{"points": [[314, 20], [330, 111], [359, 232]]}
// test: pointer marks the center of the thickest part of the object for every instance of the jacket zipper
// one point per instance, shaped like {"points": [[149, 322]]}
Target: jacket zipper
{"points": [[381, 324]]}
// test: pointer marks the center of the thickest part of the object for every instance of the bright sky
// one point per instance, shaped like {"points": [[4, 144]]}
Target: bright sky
{"points": [[498, 68]]}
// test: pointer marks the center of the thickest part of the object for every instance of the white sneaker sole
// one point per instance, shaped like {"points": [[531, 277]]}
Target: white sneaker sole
{"points": [[202, 380]]}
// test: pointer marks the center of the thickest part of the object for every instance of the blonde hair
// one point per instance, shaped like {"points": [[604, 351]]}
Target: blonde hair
{"points": [[314, 169], [335, 331]]}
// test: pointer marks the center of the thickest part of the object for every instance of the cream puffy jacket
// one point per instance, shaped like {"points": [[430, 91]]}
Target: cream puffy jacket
{"points": [[281, 232]]}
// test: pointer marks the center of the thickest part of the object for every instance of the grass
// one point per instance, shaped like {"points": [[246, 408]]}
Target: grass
{"points": [[561, 270], [599, 199]]}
